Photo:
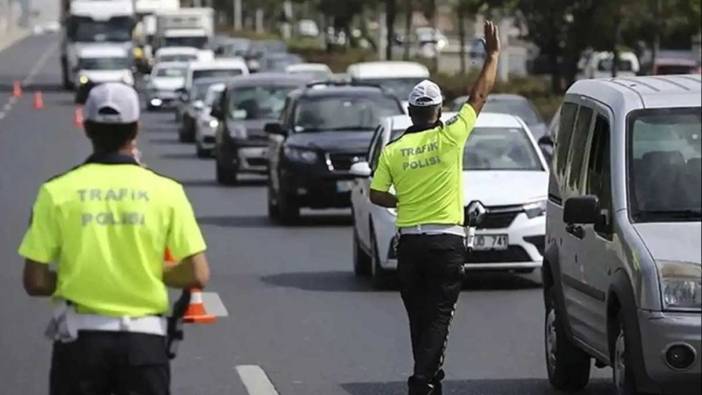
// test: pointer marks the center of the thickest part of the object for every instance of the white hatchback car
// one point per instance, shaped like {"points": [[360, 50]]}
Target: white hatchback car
{"points": [[504, 170]]}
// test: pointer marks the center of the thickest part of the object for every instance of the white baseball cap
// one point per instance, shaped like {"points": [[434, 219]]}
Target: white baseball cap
{"points": [[426, 94], [112, 102]]}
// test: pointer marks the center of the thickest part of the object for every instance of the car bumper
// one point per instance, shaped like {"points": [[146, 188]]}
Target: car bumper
{"points": [[327, 190], [659, 331], [205, 134], [244, 156], [161, 99]]}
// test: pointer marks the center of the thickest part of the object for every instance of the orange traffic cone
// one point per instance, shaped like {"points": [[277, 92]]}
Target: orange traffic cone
{"points": [[78, 117], [38, 100], [196, 313], [17, 89]]}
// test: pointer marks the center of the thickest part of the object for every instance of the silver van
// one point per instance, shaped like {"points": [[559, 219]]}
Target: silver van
{"points": [[621, 266]]}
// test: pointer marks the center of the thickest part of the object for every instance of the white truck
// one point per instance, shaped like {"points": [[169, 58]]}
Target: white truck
{"points": [[146, 28], [186, 27], [86, 22]]}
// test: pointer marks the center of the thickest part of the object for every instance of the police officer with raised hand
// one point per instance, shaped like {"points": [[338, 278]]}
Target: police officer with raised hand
{"points": [[105, 226], [425, 168]]}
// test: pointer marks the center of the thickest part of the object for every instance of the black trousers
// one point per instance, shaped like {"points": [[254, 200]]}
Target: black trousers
{"points": [[110, 363], [430, 270]]}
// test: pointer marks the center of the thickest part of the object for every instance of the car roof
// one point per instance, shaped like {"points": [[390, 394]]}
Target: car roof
{"points": [[389, 69], [167, 65], [308, 67], [177, 51], [221, 63], [268, 79], [322, 90], [485, 120], [631, 93], [97, 51]]}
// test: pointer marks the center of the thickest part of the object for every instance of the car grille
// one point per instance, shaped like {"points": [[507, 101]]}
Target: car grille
{"points": [[344, 161], [498, 217], [511, 254], [257, 161]]}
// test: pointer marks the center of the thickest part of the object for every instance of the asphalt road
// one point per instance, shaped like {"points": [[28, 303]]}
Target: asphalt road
{"points": [[295, 308]]}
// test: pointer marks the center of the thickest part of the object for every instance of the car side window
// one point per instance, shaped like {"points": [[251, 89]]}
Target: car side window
{"points": [[576, 153], [376, 147], [565, 130], [598, 179]]}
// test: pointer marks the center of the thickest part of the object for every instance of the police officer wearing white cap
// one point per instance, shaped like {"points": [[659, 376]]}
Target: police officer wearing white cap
{"points": [[106, 225], [424, 166]]}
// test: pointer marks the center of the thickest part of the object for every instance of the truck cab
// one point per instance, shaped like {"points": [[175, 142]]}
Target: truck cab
{"points": [[86, 22]]}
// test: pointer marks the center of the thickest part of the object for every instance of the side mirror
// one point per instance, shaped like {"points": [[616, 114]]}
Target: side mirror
{"points": [[274, 128], [360, 170], [582, 210], [546, 141]]}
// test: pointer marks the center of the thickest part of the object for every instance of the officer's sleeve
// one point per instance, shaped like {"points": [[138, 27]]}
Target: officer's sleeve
{"points": [[457, 129], [382, 179], [42, 241], [184, 236]]}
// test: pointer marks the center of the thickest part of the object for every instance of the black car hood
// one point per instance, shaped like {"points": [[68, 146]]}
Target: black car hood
{"points": [[337, 141]]}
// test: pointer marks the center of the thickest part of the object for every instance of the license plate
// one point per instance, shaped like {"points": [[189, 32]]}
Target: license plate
{"points": [[344, 186], [490, 242]]}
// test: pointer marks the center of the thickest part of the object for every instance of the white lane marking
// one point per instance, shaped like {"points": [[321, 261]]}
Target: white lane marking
{"points": [[255, 380], [7, 107], [39, 65], [12, 100], [2, 115], [214, 305]]}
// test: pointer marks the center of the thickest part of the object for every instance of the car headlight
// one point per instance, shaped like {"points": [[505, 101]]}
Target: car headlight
{"points": [[535, 209], [681, 285], [392, 211], [83, 79], [301, 155], [213, 123]]}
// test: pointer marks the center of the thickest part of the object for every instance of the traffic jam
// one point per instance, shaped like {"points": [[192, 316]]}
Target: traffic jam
{"points": [[580, 235]]}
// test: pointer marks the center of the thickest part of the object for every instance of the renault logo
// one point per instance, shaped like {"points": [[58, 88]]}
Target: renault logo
{"points": [[476, 213]]}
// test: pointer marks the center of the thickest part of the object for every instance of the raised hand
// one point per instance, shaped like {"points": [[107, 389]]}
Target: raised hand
{"points": [[492, 38]]}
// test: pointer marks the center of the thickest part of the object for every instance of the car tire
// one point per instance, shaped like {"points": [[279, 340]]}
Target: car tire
{"points": [[288, 210], [622, 376], [567, 365], [361, 260], [202, 153], [380, 278], [225, 176]]}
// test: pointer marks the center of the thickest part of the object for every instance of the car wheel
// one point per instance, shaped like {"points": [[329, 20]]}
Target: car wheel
{"points": [[622, 368], [379, 276], [288, 210], [361, 260], [225, 176], [568, 366]]}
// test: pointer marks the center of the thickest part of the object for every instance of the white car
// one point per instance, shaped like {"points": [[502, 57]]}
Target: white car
{"points": [[164, 83], [397, 78], [101, 63], [317, 71], [206, 125], [599, 65], [504, 170]]}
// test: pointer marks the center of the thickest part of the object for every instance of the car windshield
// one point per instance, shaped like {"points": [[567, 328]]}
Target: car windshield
{"points": [[500, 149], [194, 42], [330, 113], [216, 73], [84, 29], [520, 108], [177, 58], [261, 102], [173, 72], [115, 63], [316, 75], [400, 87], [606, 65], [664, 165], [199, 90], [213, 94], [279, 63]]}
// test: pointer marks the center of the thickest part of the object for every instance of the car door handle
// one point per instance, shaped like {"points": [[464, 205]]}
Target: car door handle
{"points": [[576, 230]]}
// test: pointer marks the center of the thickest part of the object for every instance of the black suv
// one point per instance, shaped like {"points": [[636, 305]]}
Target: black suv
{"points": [[324, 129]]}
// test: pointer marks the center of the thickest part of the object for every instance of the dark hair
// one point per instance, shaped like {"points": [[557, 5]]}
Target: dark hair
{"points": [[110, 137], [423, 116]]}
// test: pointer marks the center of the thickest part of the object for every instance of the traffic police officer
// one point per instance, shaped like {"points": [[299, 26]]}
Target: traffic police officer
{"points": [[425, 168], [105, 225]]}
